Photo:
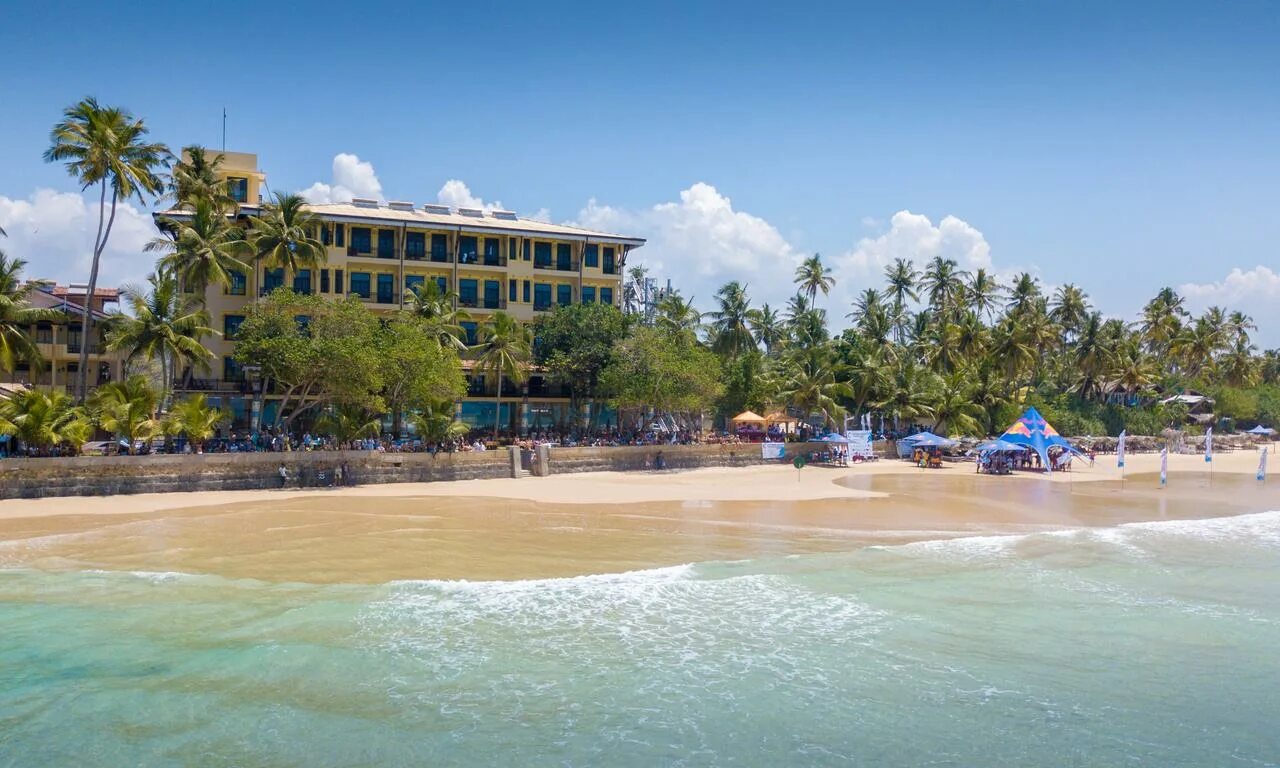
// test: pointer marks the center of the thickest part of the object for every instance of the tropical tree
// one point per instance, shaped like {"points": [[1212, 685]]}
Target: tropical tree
{"points": [[283, 237], [943, 282], [676, 315], [815, 384], [767, 328], [954, 409], [437, 308], [984, 293], [505, 348], [812, 276], [127, 409], [194, 419], [16, 315], [39, 421], [201, 250], [162, 324], [195, 176], [107, 147], [435, 423], [345, 423], [730, 327]]}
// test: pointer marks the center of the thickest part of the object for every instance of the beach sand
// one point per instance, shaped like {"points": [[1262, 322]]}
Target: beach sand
{"points": [[569, 525]]}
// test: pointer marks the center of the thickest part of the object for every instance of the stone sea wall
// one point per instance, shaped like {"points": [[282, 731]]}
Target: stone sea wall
{"points": [[108, 475], [628, 458]]}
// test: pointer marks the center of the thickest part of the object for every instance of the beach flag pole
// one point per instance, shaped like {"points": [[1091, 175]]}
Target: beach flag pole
{"points": [[1164, 467], [1208, 453], [1262, 466], [1120, 457]]}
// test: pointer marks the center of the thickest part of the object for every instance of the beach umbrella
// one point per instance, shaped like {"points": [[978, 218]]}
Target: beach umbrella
{"points": [[1261, 430], [999, 446], [928, 440]]}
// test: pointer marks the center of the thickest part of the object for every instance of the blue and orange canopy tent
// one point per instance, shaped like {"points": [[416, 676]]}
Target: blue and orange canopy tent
{"points": [[1032, 431]]}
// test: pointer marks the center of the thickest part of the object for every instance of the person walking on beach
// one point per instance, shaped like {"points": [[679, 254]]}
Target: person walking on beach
{"points": [[659, 462], [284, 474]]}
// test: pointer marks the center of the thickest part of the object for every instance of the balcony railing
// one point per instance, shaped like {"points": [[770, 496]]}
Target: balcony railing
{"points": [[482, 260], [217, 385], [73, 347], [558, 266]]}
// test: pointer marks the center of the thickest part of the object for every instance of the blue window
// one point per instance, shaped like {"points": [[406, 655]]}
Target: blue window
{"points": [[564, 295], [238, 189], [386, 289], [564, 257], [511, 290], [511, 250], [526, 250], [412, 284], [606, 296], [492, 251], [237, 286], [231, 370], [468, 249], [609, 268], [231, 324], [340, 235], [415, 245], [302, 282], [470, 329], [588, 294], [542, 296], [440, 248], [467, 292], [272, 279], [591, 256], [360, 284], [361, 239], [326, 234], [386, 243], [542, 255], [443, 284], [324, 281], [337, 282], [525, 292], [492, 294]]}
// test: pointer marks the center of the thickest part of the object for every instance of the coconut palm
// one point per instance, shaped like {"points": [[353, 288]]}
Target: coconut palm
{"points": [[730, 324], [954, 409], [436, 424], [105, 146], [195, 420], [283, 237], [1132, 370], [1023, 295], [41, 420], [812, 276], [195, 176], [442, 319], [201, 250], [984, 293], [345, 423], [910, 392], [127, 409], [767, 328], [814, 384], [943, 281], [1069, 308], [16, 315], [505, 348], [675, 315], [162, 324]]}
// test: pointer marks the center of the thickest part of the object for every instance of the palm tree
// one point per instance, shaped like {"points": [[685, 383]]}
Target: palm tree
{"points": [[1069, 308], [677, 316], [954, 410], [730, 329], [505, 347], [812, 276], [768, 328], [202, 250], [1238, 326], [438, 308], [195, 420], [41, 420], [984, 293], [16, 315], [436, 424], [283, 237], [1132, 369], [902, 278], [105, 146], [163, 324], [128, 409], [910, 393], [944, 281], [195, 176], [814, 384], [346, 423], [1023, 295], [1091, 355]]}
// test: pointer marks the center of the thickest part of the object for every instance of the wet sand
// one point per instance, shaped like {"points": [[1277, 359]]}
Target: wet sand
{"points": [[606, 522]]}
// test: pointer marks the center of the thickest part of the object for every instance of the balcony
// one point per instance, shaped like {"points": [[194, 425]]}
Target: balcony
{"points": [[73, 348], [478, 260], [570, 265], [217, 385]]}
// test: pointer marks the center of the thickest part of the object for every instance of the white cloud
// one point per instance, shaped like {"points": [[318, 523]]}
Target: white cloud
{"points": [[914, 237], [53, 232], [457, 194], [352, 177], [701, 241], [1255, 292]]}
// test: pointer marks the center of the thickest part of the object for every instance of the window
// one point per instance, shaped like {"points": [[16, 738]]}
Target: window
{"points": [[304, 324], [324, 281], [542, 296], [606, 296], [492, 251], [231, 324], [340, 235], [542, 255], [564, 257], [386, 289], [360, 240], [443, 284], [44, 333], [469, 328], [302, 282], [511, 250], [360, 284], [588, 294], [526, 250], [468, 249], [440, 248], [564, 295], [415, 245], [326, 234], [467, 292], [272, 279], [237, 285], [608, 261], [238, 188], [492, 294], [412, 284], [511, 290], [231, 370], [525, 292], [591, 256], [386, 244], [337, 282]]}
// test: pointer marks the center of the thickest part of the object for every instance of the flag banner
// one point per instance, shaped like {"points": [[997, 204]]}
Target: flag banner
{"points": [[1120, 450], [1164, 466], [860, 443], [1208, 446], [772, 450], [1262, 465]]}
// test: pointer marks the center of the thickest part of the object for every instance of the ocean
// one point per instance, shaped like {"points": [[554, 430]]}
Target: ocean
{"points": [[1147, 644]]}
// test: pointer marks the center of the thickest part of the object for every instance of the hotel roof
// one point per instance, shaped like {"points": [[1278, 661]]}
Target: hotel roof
{"points": [[432, 215]]}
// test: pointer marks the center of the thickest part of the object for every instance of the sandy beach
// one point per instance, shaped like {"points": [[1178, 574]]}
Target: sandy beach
{"points": [[569, 525]]}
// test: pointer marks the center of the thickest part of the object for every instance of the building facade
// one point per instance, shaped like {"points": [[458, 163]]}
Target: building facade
{"points": [[491, 260], [59, 343]]}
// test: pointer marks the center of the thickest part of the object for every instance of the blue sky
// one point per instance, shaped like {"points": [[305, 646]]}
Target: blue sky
{"points": [[1119, 146]]}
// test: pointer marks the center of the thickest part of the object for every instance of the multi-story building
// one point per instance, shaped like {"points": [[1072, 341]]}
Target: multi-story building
{"points": [[491, 260], [59, 342]]}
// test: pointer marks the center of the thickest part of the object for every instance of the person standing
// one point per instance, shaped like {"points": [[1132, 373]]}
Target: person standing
{"points": [[284, 474]]}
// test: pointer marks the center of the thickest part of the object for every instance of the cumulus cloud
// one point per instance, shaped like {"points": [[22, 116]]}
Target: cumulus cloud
{"points": [[352, 177], [1255, 292], [700, 241], [913, 236], [457, 194], [53, 232]]}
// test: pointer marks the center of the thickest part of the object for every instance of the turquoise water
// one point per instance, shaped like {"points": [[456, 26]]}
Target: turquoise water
{"points": [[1152, 644]]}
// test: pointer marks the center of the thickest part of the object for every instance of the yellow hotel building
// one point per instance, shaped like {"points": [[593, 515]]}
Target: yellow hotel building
{"points": [[491, 260]]}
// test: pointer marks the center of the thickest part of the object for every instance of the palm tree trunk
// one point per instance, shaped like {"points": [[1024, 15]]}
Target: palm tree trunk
{"points": [[497, 409], [86, 322]]}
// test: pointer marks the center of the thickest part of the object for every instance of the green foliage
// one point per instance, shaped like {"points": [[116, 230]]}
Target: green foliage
{"points": [[575, 343], [194, 419], [42, 420], [664, 370], [416, 370], [162, 324], [348, 422], [435, 423], [128, 409]]}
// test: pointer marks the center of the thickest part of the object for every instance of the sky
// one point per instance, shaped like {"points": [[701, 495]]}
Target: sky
{"points": [[1119, 146]]}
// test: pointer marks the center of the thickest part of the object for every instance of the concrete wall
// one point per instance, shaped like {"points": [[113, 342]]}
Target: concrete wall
{"points": [[107, 475], [626, 458]]}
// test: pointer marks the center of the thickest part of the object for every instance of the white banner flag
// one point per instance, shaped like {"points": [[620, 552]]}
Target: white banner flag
{"points": [[1164, 466], [1262, 465], [1120, 450], [1208, 446]]}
